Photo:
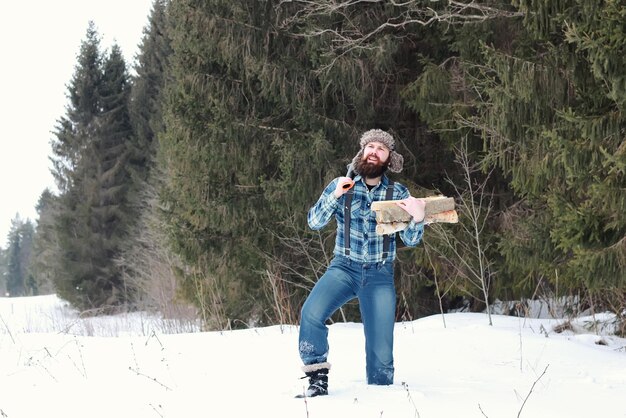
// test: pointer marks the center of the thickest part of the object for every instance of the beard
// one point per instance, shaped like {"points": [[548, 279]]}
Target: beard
{"points": [[371, 169]]}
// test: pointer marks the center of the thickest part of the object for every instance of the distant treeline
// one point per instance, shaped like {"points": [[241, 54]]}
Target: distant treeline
{"points": [[187, 182]]}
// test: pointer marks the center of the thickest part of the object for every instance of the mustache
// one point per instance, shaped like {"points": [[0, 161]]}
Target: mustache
{"points": [[372, 168], [375, 158]]}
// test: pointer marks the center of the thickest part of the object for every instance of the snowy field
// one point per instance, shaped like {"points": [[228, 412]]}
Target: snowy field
{"points": [[54, 364]]}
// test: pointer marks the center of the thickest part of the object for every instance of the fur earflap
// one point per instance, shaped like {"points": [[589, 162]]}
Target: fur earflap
{"points": [[355, 161], [396, 161]]}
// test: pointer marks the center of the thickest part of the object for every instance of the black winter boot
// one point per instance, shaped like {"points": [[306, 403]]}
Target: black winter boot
{"points": [[318, 380]]}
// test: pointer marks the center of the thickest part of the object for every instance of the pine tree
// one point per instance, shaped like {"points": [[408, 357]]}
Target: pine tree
{"points": [[147, 260], [20, 241], [91, 156], [15, 282], [3, 272], [544, 95], [147, 120], [147, 86], [259, 117], [228, 117], [46, 252], [561, 141]]}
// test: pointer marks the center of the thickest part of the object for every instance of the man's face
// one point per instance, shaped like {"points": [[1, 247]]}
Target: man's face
{"points": [[376, 153], [375, 160]]}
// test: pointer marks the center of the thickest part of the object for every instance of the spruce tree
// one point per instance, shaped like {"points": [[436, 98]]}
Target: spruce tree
{"points": [[19, 282], [3, 271], [46, 252], [259, 117], [147, 261], [91, 155], [147, 86], [573, 169], [15, 283], [544, 96]]}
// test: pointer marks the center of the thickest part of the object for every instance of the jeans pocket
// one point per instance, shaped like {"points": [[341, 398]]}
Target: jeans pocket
{"points": [[339, 261], [387, 269]]}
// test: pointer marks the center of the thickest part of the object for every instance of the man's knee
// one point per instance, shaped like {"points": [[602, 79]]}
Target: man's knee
{"points": [[310, 314]]}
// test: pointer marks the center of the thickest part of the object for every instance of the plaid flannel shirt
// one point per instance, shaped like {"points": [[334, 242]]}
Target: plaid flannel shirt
{"points": [[365, 245]]}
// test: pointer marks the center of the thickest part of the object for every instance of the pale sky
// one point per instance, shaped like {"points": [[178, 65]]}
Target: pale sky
{"points": [[39, 44]]}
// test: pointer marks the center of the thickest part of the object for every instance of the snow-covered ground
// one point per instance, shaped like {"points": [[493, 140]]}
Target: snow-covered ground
{"points": [[54, 364]]}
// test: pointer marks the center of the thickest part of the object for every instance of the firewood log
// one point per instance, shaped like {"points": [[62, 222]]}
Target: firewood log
{"points": [[388, 210], [449, 216], [392, 218]]}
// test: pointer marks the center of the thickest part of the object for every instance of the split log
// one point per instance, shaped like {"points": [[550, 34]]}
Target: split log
{"points": [[388, 211], [449, 216], [391, 218]]}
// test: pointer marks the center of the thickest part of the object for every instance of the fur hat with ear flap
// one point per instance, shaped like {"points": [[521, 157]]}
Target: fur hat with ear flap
{"points": [[377, 135]]}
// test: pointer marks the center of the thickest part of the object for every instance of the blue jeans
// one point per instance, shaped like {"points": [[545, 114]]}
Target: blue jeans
{"points": [[345, 280]]}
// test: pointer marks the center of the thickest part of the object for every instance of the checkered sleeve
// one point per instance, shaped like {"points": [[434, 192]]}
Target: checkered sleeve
{"points": [[412, 234], [322, 212]]}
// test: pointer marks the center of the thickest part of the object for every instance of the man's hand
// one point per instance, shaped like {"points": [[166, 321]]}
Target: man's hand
{"points": [[343, 185], [414, 207]]}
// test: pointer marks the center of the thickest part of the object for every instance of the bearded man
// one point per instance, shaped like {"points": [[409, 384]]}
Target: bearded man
{"points": [[363, 263]]}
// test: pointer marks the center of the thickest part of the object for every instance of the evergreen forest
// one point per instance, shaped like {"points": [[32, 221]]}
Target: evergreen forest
{"points": [[185, 177]]}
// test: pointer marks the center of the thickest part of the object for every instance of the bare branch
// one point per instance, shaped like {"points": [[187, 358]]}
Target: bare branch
{"points": [[351, 35], [531, 390], [465, 252]]}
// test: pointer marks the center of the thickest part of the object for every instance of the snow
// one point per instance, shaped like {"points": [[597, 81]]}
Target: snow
{"points": [[54, 363]]}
